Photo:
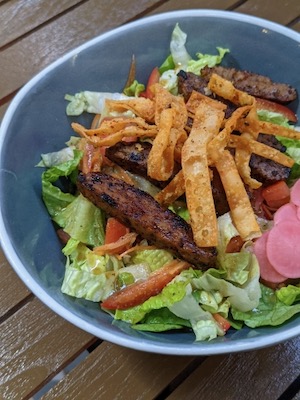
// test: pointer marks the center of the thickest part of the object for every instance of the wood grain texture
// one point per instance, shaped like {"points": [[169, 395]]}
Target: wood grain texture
{"points": [[18, 17], [112, 372], [172, 5], [35, 345], [12, 289], [282, 12], [244, 375], [25, 58]]}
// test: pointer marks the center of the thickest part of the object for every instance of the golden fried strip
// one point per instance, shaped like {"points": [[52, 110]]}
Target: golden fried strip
{"points": [[196, 100], [160, 160], [172, 191], [273, 129], [225, 89], [198, 191], [240, 207], [260, 149], [220, 141], [140, 106], [242, 160]]}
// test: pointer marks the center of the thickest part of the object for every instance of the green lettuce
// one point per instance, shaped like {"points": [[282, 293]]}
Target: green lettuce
{"points": [[54, 198], [88, 275], [91, 102], [134, 89], [204, 60], [153, 258], [83, 221], [270, 311], [289, 294]]}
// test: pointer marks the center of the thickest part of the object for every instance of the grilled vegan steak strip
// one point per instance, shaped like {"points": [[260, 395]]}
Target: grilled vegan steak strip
{"points": [[254, 84], [133, 157], [140, 211]]}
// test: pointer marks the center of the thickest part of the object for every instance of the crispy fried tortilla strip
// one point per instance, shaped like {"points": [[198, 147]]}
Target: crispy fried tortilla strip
{"points": [[140, 106], [240, 207], [242, 160], [196, 99], [172, 191], [273, 129], [170, 117], [220, 141], [113, 131], [160, 160], [260, 149], [225, 89], [198, 191]]}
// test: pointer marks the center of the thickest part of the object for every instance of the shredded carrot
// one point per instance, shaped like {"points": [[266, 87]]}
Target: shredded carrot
{"points": [[117, 247]]}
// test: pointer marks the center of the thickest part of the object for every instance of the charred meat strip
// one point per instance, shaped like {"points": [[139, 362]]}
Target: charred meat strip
{"points": [[143, 214], [254, 84], [268, 171], [133, 157]]}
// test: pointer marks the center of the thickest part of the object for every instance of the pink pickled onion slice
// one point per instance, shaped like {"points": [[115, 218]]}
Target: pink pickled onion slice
{"points": [[295, 193], [298, 212], [286, 212], [267, 272], [283, 250]]}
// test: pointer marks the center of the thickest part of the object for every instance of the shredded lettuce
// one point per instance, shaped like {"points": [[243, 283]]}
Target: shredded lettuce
{"points": [[178, 50], [91, 102], [134, 89], [204, 60], [54, 198], [86, 273], [83, 221], [270, 311], [153, 258]]}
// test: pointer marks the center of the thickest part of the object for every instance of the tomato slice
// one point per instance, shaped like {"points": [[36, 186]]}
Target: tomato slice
{"points": [[277, 194], [114, 230], [224, 324], [153, 78], [268, 105]]}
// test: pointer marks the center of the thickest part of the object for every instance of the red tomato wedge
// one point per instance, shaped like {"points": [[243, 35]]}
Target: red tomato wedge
{"points": [[268, 105], [283, 250], [141, 291], [114, 230], [224, 324], [277, 194], [153, 78], [267, 271]]}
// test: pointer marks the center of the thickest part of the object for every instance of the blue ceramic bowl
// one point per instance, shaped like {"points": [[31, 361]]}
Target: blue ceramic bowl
{"points": [[36, 123]]}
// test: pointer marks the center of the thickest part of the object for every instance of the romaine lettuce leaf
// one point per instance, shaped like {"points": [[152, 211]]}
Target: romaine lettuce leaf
{"points": [[153, 258], [83, 221], [134, 89], [270, 311], [204, 60], [54, 198], [288, 294], [178, 50], [86, 273], [92, 102]]}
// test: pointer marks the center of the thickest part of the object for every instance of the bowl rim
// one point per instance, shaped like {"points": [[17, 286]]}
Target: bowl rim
{"points": [[106, 334]]}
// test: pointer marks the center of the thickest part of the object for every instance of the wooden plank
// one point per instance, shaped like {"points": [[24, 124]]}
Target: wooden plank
{"points": [[12, 289], [18, 17], [296, 26], [37, 50], [172, 5], [253, 369], [279, 11], [112, 372], [35, 345]]}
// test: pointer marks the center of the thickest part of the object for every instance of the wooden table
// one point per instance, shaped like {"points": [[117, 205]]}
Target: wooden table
{"points": [[36, 344]]}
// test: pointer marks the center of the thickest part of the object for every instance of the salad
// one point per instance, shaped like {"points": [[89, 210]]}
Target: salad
{"points": [[151, 286]]}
